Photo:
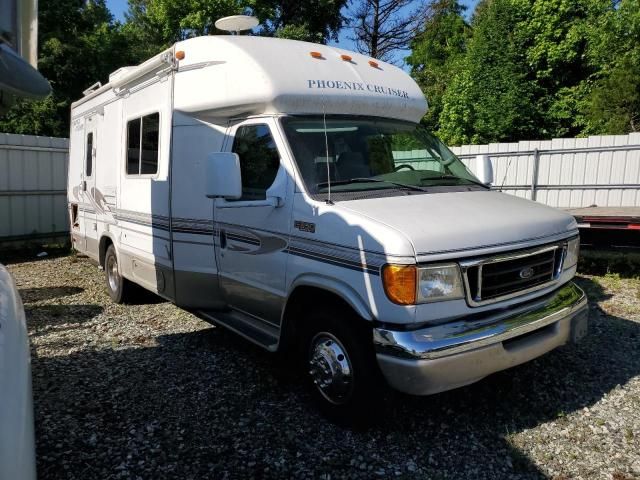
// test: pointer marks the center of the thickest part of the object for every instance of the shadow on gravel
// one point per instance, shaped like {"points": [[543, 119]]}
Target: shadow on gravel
{"points": [[208, 404], [9, 257], [42, 318], [52, 314], [30, 295], [142, 296]]}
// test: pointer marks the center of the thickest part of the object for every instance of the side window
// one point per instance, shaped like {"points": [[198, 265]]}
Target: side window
{"points": [[142, 145], [259, 160], [149, 147], [133, 146], [88, 169]]}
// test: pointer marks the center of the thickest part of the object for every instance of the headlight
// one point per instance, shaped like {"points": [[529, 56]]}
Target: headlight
{"points": [[439, 282], [408, 284], [573, 250]]}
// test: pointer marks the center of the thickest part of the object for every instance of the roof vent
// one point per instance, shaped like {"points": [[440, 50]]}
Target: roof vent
{"points": [[236, 23]]}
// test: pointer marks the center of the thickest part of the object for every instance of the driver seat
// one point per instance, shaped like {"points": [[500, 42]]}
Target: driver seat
{"points": [[352, 165]]}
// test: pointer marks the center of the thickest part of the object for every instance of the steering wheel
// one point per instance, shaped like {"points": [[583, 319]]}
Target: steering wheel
{"points": [[449, 161], [404, 165]]}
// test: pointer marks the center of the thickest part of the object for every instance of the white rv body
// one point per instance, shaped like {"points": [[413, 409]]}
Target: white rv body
{"points": [[248, 263]]}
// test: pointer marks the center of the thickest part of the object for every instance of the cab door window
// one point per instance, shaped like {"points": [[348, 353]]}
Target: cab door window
{"points": [[259, 160]]}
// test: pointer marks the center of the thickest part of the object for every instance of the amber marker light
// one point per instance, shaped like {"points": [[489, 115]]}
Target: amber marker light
{"points": [[400, 283], [315, 54], [346, 58], [373, 64], [180, 55]]}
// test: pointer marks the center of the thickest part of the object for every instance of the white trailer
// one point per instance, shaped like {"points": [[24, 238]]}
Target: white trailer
{"points": [[260, 182]]}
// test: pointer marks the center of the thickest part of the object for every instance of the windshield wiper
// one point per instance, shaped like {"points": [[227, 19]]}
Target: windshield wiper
{"points": [[369, 180], [453, 177]]}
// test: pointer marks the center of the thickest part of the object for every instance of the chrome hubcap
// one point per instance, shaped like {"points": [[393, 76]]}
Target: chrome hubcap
{"points": [[112, 273], [330, 368]]}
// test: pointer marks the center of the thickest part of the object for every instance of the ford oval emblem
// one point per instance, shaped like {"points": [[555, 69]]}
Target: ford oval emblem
{"points": [[526, 272]]}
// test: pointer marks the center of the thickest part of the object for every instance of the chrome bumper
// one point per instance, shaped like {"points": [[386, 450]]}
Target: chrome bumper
{"points": [[443, 357]]}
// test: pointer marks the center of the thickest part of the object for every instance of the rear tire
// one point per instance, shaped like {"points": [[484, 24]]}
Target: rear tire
{"points": [[119, 288], [341, 368]]}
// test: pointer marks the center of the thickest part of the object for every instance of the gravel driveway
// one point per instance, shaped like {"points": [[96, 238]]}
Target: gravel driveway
{"points": [[149, 391]]}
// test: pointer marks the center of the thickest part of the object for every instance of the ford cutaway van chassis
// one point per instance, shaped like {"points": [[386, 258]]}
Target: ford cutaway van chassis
{"points": [[286, 191]]}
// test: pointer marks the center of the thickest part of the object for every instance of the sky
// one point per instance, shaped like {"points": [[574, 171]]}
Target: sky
{"points": [[119, 7]]}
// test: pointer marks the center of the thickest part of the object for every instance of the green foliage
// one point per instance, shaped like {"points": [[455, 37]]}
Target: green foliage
{"points": [[37, 117], [159, 23], [492, 96], [613, 105], [436, 53], [310, 20], [522, 69], [79, 44], [530, 69], [557, 34], [299, 32]]}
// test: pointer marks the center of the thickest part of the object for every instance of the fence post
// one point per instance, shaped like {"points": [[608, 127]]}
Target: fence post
{"points": [[534, 174]]}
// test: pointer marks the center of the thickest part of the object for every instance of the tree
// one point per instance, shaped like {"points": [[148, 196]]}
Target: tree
{"points": [[382, 27], [78, 44], [612, 105], [159, 23], [492, 97], [436, 53], [311, 20], [556, 44]]}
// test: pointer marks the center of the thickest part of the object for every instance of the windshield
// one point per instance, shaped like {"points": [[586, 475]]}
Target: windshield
{"points": [[371, 154]]}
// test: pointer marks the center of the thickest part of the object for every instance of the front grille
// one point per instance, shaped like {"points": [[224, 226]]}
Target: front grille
{"points": [[492, 279]]}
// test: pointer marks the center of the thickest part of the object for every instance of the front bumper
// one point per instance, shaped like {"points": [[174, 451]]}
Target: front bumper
{"points": [[443, 357]]}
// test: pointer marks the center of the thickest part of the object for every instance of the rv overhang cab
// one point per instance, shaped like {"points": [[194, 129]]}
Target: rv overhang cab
{"points": [[286, 191]]}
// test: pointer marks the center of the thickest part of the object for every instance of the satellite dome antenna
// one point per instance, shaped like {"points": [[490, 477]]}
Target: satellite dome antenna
{"points": [[236, 23]]}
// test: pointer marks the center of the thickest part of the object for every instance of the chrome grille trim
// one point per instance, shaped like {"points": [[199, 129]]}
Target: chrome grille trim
{"points": [[473, 289]]}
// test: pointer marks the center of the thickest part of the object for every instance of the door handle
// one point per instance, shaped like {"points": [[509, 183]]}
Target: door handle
{"points": [[223, 239]]}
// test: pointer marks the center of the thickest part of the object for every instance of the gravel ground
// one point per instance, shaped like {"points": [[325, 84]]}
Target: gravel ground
{"points": [[150, 391]]}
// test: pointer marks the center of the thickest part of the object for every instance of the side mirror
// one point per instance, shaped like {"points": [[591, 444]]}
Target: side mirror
{"points": [[484, 170], [223, 178]]}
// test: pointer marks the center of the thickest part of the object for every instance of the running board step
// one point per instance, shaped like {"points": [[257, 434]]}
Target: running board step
{"points": [[257, 331]]}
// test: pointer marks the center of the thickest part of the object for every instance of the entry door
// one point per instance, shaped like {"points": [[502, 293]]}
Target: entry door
{"points": [[89, 184], [251, 233]]}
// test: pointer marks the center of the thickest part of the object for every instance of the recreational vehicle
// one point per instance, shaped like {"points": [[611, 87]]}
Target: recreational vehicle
{"points": [[287, 191]]}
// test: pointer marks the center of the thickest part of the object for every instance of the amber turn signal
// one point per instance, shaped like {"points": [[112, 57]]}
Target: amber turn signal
{"points": [[315, 54], [373, 64], [346, 58], [400, 283], [180, 55]]}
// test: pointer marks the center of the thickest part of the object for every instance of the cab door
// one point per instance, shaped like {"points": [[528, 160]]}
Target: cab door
{"points": [[252, 233]]}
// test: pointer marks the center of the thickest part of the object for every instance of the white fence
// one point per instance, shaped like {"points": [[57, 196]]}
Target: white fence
{"points": [[33, 183], [566, 172]]}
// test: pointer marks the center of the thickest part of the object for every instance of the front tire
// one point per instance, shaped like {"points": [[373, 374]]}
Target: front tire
{"points": [[119, 288], [342, 372]]}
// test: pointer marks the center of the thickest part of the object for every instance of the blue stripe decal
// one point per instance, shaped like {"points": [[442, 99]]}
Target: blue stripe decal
{"points": [[339, 262]]}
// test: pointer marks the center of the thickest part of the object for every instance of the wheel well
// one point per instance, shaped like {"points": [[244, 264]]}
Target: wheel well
{"points": [[104, 244], [299, 300]]}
